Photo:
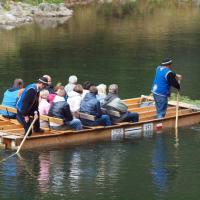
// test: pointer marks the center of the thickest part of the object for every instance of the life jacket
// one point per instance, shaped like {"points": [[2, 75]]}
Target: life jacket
{"points": [[21, 99], [161, 85], [10, 99]]}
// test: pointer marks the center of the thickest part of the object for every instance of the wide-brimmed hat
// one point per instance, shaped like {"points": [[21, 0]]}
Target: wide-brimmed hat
{"points": [[43, 80], [167, 61]]}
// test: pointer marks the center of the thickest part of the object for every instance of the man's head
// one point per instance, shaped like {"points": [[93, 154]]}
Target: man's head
{"points": [[167, 62], [49, 79], [87, 85], [42, 83], [18, 83], [93, 89], [113, 89]]}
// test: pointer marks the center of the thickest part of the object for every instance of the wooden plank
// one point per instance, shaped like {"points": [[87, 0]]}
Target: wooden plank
{"points": [[42, 117], [132, 100], [153, 112], [86, 116], [9, 109], [173, 103], [51, 119], [5, 123], [142, 109], [184, 105], [134, 105], [7, 127], [169, 114], [111, 112]]}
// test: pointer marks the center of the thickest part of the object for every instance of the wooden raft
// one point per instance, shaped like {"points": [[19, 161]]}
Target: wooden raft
{"points": [[11, 129]]}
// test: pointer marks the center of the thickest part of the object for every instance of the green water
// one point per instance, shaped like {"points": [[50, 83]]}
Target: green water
{"points": [[96, 45]]}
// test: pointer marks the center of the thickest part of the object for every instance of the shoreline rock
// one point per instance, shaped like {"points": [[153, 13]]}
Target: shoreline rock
{"points": [[21, 13]]}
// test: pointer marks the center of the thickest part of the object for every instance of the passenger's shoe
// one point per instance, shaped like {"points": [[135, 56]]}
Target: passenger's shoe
{"points": [[39, 131]]}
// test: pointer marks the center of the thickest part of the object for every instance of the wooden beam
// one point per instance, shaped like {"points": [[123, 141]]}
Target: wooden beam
{"points": [[86, 116], [169, 114], [111, 112], [132, 100], [142, 109], [173, 103], [42, 117]]}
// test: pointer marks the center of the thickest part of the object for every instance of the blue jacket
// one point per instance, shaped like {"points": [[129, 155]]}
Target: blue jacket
{"points": [[10, 99], [91, 105], [161, 85], [28, 102]]}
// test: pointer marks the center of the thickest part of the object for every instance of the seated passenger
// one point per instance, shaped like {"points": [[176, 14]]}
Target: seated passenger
{"points": [[52, 95], [74, 98], [10, 98], [71, 84], [101, 93], [60, 109], [44, 106], [86, 87], [114, 103], [90, 105], [49, 87]]}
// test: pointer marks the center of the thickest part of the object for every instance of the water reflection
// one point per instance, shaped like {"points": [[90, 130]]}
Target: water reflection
{"points": [[75, 172], [160, 173], [165, 164], [44, 172]]}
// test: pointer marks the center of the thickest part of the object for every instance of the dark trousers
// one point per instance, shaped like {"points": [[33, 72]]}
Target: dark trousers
{"points": [[132, 117], [127, 117], [22, 121]]}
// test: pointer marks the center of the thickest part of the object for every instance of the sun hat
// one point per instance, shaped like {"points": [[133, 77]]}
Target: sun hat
{"points": [[43, 80], [167, 61]]}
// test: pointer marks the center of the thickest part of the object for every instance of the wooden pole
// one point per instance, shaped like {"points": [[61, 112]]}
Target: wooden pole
{"points": [[26, 135], [177, 107]]}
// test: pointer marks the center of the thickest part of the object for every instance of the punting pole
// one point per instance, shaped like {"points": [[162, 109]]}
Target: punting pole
{"points": [[26, 135], [177, 107]]}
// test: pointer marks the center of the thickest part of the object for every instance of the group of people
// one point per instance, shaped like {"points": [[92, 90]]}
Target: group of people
{"points": [[66, 102]]}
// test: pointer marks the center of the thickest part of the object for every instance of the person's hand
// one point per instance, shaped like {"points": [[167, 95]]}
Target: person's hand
{"points": [[179, 77], [26, 118]]}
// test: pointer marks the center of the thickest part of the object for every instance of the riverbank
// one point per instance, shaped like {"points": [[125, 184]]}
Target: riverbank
{"points": [[17, 13]]}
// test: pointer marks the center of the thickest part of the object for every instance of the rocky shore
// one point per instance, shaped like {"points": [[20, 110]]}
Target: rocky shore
{"points": [[18, 13]]}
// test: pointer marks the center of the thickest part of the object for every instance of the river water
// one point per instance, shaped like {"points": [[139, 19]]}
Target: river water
{"points": [[102, 45]]}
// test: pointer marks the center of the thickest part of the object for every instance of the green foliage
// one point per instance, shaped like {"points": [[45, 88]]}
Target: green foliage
{"points": [[185, 99], [5, 4], [116, 9]]}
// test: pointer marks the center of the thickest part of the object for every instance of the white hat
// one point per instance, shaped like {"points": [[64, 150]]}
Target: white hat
{"points": [[73, 79]]}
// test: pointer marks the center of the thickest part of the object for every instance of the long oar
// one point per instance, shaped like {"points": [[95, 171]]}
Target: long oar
{"points": [[26, 135], [176, 122], [177, 107]]}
